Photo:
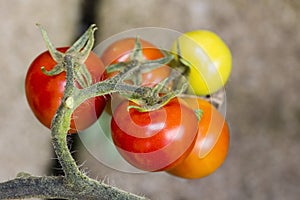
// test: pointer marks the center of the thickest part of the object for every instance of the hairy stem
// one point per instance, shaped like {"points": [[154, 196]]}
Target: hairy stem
{"points": [[61, 124], [51, 187]]}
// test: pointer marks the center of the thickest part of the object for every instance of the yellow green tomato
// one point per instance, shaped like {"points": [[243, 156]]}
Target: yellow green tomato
{"points": [[209, 60]]}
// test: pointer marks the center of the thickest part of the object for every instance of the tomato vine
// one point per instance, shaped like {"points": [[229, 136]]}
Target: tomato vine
{"points": [[144, 97], [76, 182]]}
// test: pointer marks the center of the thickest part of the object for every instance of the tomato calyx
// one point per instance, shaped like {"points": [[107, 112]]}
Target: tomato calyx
{"points": [[142, 65], [146, 98], [179, 63], [79, 52], [132, 71], [198, 113]]}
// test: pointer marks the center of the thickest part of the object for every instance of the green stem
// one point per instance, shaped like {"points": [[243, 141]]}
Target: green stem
{"points": [[52, 187], [61, 124], [74, 179]]}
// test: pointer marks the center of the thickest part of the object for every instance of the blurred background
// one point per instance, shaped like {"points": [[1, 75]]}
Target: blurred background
{"points": [[263, 106]]}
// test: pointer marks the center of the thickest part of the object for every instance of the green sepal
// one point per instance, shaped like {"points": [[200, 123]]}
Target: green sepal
{"points": [[199, 113], [55, 71]]}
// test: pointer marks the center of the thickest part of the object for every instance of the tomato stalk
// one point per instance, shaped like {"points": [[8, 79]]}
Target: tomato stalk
{"points": [[61, 124], [79, 51]]}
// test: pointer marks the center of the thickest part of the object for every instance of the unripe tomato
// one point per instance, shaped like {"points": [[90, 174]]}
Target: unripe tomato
{"points": [[44, 93], [212, 143], [120, 51], [156, 140], [209, 60]]}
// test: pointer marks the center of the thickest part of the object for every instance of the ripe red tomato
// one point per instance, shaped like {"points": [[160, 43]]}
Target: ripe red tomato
{"points": [[211, 146], [44, 93], [121, 50], [156, 140]]}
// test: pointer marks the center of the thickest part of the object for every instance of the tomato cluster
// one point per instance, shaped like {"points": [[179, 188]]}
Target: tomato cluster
{"points": [[172, 138], [186, 137]]}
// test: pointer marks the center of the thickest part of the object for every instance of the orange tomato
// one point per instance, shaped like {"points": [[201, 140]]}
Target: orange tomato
{"points": [[121, 50], [211, 145]]}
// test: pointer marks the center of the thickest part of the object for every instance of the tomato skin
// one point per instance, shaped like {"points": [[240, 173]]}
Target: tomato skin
{"points": [[44, 93], [120, 51], [210, 60], [212, 143], [156, 140]]}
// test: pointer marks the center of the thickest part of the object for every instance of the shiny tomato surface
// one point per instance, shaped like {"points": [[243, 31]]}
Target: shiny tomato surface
{"points": [[44, 93], [212, 143], [155, 140]]}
